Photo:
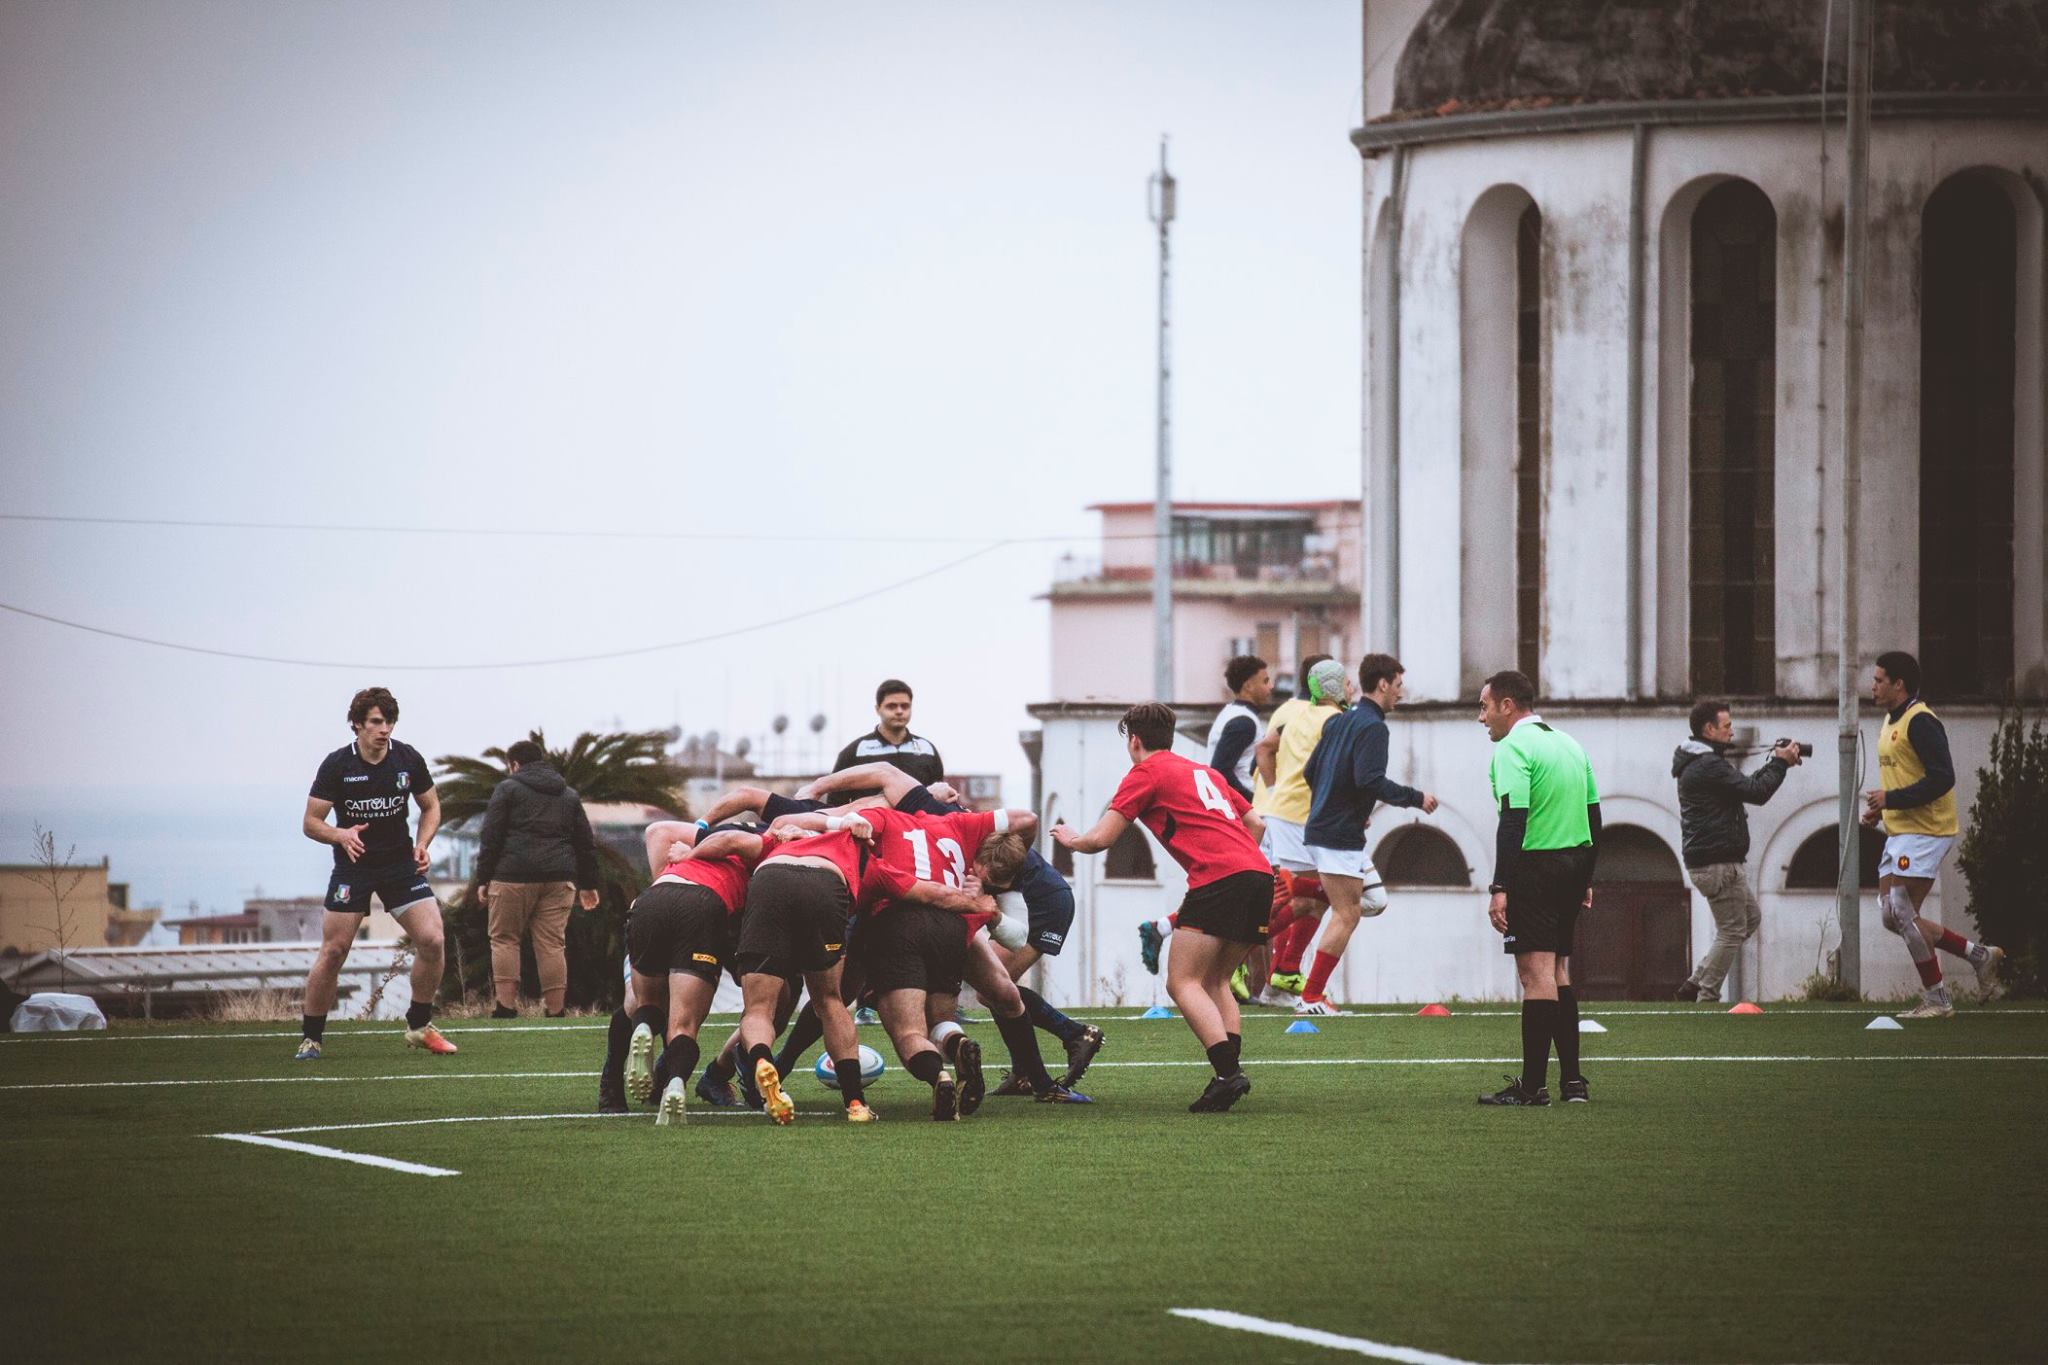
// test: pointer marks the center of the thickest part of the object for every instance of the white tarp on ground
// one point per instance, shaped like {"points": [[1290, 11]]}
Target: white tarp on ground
{"points": [[57, 1012]]}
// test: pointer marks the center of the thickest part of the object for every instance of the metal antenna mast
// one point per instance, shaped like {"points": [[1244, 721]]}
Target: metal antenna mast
{"points": [[1160, 198]]}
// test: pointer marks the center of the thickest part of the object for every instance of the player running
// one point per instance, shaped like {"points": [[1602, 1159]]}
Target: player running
{"points": [[1283, 803], [375, 853], [1213, 833]]}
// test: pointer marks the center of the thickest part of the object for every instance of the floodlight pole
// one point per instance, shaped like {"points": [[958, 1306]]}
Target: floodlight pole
{"points": [[1849, 863], [1161, 203]]}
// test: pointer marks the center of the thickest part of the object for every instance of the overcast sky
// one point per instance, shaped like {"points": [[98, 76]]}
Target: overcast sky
{"points": [[787, 271]]}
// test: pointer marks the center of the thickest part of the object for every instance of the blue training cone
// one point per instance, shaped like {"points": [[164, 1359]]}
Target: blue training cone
{"points": [[1158, 1012], [1302, 1026]]}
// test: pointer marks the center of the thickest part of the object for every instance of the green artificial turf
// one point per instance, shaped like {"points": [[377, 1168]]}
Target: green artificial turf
{"points": [[1781, 1210]]}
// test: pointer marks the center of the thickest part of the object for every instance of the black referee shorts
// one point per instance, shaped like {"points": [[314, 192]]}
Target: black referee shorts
{"points": [[913, 948], [795, 920], [1545, 896], [678, 927], [1238, 907]]}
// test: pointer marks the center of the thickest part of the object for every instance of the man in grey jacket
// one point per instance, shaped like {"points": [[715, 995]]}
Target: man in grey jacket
{"points": [[1715, 831], [537, 857]]}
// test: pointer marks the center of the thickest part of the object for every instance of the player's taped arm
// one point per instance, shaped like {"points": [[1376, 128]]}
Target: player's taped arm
{"points": [[1930, 740], [1237, 737], [1107, 831], [1507, 841]]}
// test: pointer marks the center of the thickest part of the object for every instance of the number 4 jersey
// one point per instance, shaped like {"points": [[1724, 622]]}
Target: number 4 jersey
{"points": [[1194, 813]]}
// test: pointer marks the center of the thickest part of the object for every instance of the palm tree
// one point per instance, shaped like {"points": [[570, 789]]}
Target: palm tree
{"points": [[631, 767]]}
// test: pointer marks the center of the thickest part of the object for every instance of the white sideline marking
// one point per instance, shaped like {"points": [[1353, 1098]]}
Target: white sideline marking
{"points": [[311, 1149], [1602, 1060], [518, 1118], [1378, 1350], [98, 1036]]}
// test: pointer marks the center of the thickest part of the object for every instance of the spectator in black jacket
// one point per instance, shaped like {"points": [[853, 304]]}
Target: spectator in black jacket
{"points": [[538, 857], [1715, 831]]}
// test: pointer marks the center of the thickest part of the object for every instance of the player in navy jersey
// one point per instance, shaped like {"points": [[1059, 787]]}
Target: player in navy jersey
{"points": [[368, 785], [1212, 832]]}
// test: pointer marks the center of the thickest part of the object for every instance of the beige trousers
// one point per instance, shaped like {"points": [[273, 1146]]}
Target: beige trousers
{"points": [[1736, 918], [543, 907]]}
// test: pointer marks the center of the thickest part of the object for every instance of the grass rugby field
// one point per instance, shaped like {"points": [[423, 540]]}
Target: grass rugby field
{"points": [[1785, 1187]]}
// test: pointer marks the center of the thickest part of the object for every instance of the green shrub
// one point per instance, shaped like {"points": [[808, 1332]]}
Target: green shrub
{"points": [[2004, 858]]}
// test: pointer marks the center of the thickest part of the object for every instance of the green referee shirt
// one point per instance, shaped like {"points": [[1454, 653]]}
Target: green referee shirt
{"points": [[1546, 773]]}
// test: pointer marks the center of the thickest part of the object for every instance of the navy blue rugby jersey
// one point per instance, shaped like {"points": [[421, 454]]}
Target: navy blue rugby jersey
{"points": [[376, 795]]}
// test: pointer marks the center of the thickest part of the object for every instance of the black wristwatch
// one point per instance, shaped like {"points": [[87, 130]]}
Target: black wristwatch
{"points": [[1496, 889]]}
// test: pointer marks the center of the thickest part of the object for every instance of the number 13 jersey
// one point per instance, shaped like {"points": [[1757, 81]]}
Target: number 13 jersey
{"points": [[1194, 813]]}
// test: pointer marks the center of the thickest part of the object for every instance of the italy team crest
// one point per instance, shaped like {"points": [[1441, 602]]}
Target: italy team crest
{"points": [[341, 895]]}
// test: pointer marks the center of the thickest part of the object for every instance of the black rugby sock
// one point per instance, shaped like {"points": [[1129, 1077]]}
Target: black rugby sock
{"points": [[314, 1025], [1539, 1026], [807, 1029], [617, 1039], [926, 1066], [1567, 1035], [679, 1058], [654, 1016], [1220, 1058], [847, 1069], [1048, 1018], [1236, 1041], [723, 1067], [1025, 1058], [757, 1054], [419, 1013]]}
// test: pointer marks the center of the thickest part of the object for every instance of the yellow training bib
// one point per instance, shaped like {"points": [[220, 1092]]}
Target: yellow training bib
{"points": [[1899, 765]]}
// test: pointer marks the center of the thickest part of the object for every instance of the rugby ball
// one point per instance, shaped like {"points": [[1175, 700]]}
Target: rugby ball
{"points": [[871, 1069]]}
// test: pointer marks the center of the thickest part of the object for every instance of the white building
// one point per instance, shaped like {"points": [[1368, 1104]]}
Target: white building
{"points": [[1604, 439]]}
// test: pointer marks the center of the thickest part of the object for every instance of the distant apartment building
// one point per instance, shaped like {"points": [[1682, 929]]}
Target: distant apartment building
{"points": [[278, 919], [1276, 579], [94, 913]]}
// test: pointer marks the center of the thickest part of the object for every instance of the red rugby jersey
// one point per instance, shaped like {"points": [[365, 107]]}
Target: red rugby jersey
{"points": [[931, 848], [725, 878], [871, 880], [1194, 812]]}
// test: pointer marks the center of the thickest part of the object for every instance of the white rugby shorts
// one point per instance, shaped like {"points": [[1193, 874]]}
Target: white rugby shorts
{"points": [[1915, 855], [1285, 847], [1343, 862]]}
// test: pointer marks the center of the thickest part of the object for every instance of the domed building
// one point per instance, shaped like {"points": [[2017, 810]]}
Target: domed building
{"points": [[1604, 439]]}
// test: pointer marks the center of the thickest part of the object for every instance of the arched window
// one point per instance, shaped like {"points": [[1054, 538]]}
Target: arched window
{"points": [[1417, 855], [1630, 853], [1968, 287], [1813, 866], [1732, 431], [1130, 858], [1501, 358]]}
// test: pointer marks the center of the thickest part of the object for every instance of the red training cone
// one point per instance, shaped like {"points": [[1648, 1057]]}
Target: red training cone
{"points": [[1434, 1012], [1746, 1008]]}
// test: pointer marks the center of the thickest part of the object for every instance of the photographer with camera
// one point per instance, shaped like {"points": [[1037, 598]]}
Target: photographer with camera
{"points": [[1715, 830]]}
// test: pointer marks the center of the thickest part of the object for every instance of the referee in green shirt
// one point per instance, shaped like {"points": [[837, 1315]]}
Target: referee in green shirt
{"points": [[1542, 877]]}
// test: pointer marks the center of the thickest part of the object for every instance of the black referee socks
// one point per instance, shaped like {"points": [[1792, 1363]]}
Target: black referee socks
{"points": [[1567, 1035], [1223, 1059], [1539, 1027]]}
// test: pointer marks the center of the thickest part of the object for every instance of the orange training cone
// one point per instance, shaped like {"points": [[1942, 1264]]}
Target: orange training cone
{"points": [[1434, 1012], [1746, 1008]]}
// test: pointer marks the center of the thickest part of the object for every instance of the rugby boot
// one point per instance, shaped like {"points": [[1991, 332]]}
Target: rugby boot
{"points": [[1080, 1052], [1317, 1008], [717, 1094], [1060, 1094], [858, 1112], [430, 1039], [1149, 939], [1987, 971], [1930, 1009], [1223, 1092], [671, 1114], [773, 1102], [1293, 983], [1013, 1086], [611, 1095], [309, 1050], [967, 1057], [945, 1099], [1575, 1092], [1241, 984], [640, 1064], [1514, 1096]]}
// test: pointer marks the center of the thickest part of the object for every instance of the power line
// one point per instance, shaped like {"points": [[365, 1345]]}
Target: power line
{"points": [[557, 533], [805, 614]]}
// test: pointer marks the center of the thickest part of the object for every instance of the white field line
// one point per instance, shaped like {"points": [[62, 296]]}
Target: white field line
{"points": [[371, 1030], [1377, 1350], [1601, 1060], [645, 1117], [335, 1153]]}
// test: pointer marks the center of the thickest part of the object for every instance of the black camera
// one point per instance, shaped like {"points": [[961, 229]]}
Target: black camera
{"points": [[1805, 750]]}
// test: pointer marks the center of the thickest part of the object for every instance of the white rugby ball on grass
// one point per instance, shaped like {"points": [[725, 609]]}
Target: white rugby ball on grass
{"points": [[871, 1069]]}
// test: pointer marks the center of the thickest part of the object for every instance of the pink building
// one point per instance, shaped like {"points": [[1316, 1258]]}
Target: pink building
{"points": [[1275, 579]]}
